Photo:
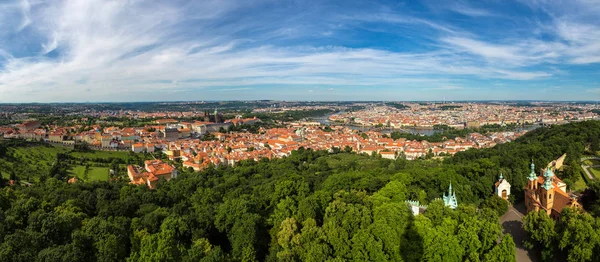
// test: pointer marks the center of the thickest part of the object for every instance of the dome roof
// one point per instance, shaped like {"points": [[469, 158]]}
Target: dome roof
{"points": [[548, 173]]}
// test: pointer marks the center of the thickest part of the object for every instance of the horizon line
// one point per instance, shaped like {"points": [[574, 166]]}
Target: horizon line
{"points": [[318, 101]]}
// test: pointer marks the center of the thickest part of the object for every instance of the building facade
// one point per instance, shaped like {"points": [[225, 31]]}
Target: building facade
{"points": [[152, 171], [502, 188], [548, 193]]}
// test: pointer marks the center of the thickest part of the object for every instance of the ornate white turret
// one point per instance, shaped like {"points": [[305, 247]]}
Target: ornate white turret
{"points": [[450, 199]]}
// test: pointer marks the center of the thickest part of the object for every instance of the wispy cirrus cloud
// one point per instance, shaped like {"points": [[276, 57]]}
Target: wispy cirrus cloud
{"points": [[519, 53], [470, 11], [26, 15], [132, 50]]}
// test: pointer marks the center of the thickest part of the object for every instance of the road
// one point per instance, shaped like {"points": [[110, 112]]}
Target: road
{"points": [[512, 223]]}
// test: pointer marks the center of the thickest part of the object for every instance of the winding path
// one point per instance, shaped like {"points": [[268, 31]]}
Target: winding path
{"points": [[586, 168]]}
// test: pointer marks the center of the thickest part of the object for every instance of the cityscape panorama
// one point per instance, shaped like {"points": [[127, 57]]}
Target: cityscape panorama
{"points": [[299, 130]]}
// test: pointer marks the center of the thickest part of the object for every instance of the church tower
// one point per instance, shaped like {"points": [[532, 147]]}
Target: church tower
{"points": [[547, 190], [532, 179], [218, 117], [206, 116], [530, 190]]}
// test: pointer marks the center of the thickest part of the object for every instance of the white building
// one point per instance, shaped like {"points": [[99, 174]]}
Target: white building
{"points": [[388, 155], [502, 188]]}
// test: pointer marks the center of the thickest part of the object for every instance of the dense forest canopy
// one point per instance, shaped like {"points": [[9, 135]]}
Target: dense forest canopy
{"points": [[312, 205]]}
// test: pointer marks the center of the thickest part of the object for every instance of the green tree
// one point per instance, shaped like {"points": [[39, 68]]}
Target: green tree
{"points": [[390, 223], [490, 229], [468, 238], [439, 242], [504, 252], [496, 203], [579, 235], [287, 240], [344, 216], [365, 247], [86, 172], [541, 233]]}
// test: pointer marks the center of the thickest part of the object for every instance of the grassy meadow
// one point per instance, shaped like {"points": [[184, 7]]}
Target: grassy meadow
{"points": [[31, 162], [94, 173]]}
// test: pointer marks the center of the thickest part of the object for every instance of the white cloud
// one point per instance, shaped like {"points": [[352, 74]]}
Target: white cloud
{"points": [[519, 53], [577, 27], [26, 15], [127, 48], [448, 87], [234, 89], [593, 90], [470, 11]]}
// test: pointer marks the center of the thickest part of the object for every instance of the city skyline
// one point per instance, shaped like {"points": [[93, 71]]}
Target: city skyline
{"points": [[103, 51]]}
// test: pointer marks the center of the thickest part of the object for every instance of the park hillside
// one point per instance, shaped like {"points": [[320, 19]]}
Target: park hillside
{"points": [[310, 206]]}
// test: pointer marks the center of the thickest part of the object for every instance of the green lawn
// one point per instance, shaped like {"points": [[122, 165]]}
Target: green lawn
{"points": [[94, 173], [595, 172], [579, 185], [102, 154], [31, 162]]}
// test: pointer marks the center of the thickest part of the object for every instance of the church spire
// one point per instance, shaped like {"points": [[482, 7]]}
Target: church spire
{"points": [[532, 175], [501, 177], [548, 175], [450, 199]]}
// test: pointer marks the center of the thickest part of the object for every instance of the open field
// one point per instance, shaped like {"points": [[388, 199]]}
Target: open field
{"points": [[94, 173], [31, 162]]}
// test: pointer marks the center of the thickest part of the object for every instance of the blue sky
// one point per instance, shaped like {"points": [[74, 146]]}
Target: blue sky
{"points": [[138, 50]]}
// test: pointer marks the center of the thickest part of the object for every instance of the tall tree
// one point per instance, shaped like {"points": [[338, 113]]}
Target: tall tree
{"points": [[504, 252], [541, 233], [579, 235]]}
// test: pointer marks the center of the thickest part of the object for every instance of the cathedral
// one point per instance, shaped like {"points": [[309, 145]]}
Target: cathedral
{"points": [[547, 192]]}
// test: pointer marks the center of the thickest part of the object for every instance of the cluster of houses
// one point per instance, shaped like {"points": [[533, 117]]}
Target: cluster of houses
{"points": [[179, 140], [137, 139], [230, 148], [461, 115]]}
